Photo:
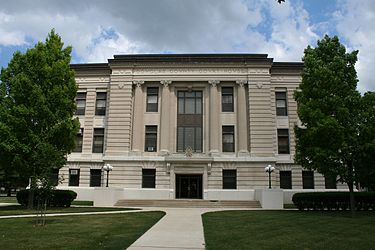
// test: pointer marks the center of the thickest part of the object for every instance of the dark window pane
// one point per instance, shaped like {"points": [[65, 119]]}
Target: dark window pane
{"points": [[281, 107], [101, 102], [227, 99], [81, 103], [74, 177], [148, 178], [308, 179], [286, 179], [152, 99], [151, 139], [189, 102], [54, 177], [283, 141], [330, 182], [95, 177], [189, 137], [98, 141], [229, 179], [228, 138]]}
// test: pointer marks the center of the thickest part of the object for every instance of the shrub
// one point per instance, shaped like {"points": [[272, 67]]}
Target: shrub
{"points": [[333, 200], [57, 198]]}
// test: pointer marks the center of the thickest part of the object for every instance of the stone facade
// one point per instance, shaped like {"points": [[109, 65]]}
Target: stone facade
{"points": [[198, 171]]}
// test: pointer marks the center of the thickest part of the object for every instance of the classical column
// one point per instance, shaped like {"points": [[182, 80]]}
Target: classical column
{"points": [[242, 129], [214, 116], [165, 118], [137, 136]]}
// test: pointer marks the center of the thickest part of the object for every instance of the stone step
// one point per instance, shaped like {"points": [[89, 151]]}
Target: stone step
{"points": [[186, 203]]}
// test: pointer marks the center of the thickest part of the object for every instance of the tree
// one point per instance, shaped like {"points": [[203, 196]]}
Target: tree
{"points": [[333, 115], [37, 128]]}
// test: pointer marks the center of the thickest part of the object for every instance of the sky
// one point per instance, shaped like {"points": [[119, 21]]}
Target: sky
{"points": [[98, 29]]}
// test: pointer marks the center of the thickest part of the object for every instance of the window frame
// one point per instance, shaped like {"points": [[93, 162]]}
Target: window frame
{"points": [[281, 96], [96, 137], [285, 183], [148, 177], [93, 181], [101, 97], [81, 97], [281, 148], [228, 130], [306, 178], [198, 144], [227, 106], [74, 182], [229, 178], [151, 133], [79, 141], [152, 92]]}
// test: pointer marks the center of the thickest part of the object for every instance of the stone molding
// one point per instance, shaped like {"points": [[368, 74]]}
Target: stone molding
{"points": [[214, 83], [138, 83], [166, 83], [241, 83]]}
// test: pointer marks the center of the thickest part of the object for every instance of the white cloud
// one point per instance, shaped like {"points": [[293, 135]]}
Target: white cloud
{"points": [[355, 21]]}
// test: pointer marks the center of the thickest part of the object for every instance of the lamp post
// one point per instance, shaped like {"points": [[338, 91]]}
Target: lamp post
{"points": [[269, 169], [107, 167]]}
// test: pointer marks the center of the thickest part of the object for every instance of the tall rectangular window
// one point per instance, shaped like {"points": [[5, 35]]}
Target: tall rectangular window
{"points": [[74, 177], [54, 177], [79, 141], [229, 179], [281, 104], [189, 121], [80, 103], [95, 177], [151, 138], [286, 179], [228, 138], [308, 179], [148, 178], [101, 103], [330, 182], [227, 99], [283, 141], [152, 99], [98, 140]]}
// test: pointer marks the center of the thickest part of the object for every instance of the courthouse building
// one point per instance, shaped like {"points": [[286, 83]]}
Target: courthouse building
{"points": [[189, 126]]}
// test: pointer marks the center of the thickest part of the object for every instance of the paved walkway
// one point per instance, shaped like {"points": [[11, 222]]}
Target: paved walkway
{"points": [[180, 228]]}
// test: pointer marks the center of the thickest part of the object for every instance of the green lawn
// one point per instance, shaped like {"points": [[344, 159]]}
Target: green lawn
{"points": [[289, 230], [17, 209], [77, 232]]}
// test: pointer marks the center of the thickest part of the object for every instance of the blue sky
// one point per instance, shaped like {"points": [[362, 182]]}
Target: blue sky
{"points": [[99, 29]]}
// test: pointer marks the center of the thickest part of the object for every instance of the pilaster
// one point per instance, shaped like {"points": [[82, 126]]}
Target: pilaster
{"points": [[214, 117]]}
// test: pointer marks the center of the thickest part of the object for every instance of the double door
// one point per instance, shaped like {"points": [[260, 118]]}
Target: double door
{"points": [[188, 186]]}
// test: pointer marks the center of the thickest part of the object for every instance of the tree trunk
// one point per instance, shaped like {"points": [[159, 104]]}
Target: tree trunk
{"points": [[351, 188]]}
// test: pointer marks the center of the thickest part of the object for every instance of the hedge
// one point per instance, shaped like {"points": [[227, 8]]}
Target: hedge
{"points": [[333, 200], [57, 198]]}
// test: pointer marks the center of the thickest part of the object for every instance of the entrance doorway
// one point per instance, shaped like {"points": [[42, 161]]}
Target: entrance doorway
{"points": [[188, 186]]}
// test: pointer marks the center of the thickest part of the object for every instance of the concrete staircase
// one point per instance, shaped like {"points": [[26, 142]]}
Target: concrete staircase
{"points": [[186, 203]]}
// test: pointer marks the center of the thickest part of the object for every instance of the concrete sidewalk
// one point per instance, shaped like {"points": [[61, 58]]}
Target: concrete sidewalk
{"points": [[180, 228]]}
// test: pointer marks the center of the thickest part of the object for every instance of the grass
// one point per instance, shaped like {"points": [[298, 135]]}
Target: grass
{"points": [[289, 230], [77, 232], [83, 203], [17, 210]]}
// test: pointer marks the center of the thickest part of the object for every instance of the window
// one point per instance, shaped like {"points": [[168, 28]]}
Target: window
{"points": [[189, 121], [281, 107], [81, 103], [308, 179], [330, 182], [229, 179], [98, 141], [152, 99], [286, 179], [95, 177], [227, 99], [73, 177], [148, 178], [151, 138], [101, 102], [54, 177], [283, 141], [78, 142], [228, 138], [189, 137]]}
